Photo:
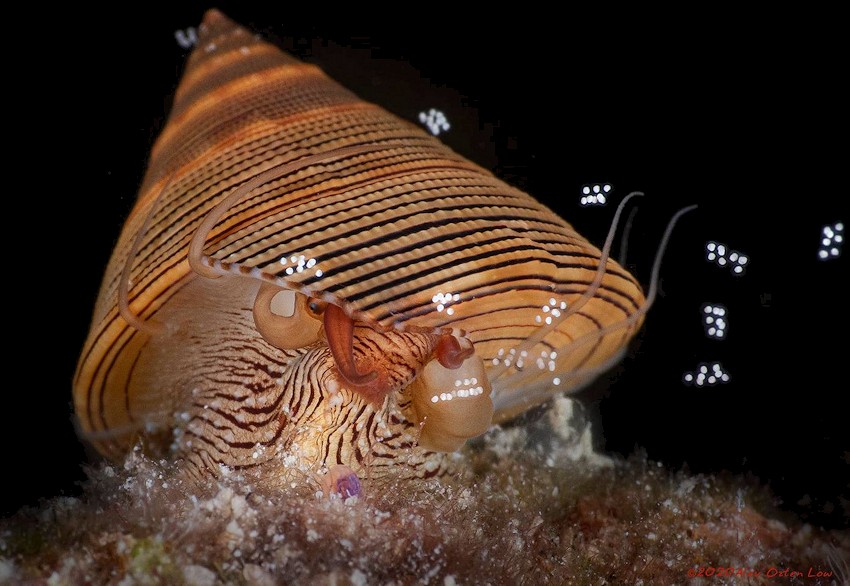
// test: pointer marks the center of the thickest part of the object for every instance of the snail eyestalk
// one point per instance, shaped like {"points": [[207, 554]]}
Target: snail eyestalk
{"points": [[284, 319], [450, 353], [451, 405]]}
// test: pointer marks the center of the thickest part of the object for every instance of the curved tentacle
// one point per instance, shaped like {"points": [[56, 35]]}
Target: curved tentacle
{"points": [[206, 266], [624, 241], [339, 330], [124, 283], [542, 331], [505, 400]]}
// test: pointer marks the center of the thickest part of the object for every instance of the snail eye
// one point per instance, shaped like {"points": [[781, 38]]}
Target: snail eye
{"points": [[282, 303], [285, 319], [317, 307]]}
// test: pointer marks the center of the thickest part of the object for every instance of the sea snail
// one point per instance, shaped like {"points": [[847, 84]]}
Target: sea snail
{"points": [[308, 280]]}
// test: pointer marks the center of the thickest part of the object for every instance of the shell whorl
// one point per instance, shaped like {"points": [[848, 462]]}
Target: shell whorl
{"points": [[404, 234]]}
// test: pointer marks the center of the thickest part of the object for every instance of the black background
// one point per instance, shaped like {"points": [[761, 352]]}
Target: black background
{"points": [[741, 114]]}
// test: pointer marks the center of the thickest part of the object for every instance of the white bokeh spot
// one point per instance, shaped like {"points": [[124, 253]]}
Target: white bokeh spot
{"points": [[443, 301], [595, 194], [299, 263], [707, 374], [832, 239], [720, 255], [186, 38], [714, 320], [435, 121]]}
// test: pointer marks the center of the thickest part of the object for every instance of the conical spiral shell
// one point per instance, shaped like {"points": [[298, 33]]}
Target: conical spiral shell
{"points": [[401, 232]]}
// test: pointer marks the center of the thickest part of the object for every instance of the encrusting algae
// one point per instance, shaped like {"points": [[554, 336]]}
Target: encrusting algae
{"points": [[535, 506]]}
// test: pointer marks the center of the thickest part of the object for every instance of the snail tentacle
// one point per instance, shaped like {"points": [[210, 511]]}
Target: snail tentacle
{"points": [[131, 318], [587, 295], [204, 265], [450, 353], [576, 378], [339, 331]]}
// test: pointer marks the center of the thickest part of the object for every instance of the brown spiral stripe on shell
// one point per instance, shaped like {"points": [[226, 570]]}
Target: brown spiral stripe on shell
{"points": [[387, 228]]}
